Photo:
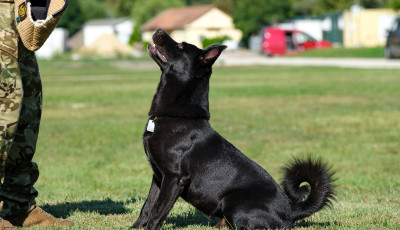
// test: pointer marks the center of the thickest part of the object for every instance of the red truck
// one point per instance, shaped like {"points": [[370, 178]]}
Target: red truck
{"points": [[276, 41]]}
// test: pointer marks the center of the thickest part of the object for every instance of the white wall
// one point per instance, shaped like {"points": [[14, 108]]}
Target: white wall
{"points": [[55, 44], [91, 33], [122, 30], [213, 18], [312, 27]]}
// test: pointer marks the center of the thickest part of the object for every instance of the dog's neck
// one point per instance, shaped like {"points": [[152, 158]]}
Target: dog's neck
{"points": [[180, 100]]}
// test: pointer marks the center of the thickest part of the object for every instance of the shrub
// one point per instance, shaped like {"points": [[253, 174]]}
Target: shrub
{"points": [[216, 40]]}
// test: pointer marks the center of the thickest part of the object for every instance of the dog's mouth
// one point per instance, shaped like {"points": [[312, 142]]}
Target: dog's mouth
{"points": [[156, 52]]}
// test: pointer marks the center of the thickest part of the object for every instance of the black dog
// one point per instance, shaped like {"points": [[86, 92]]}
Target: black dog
{"points": [[191, 160]]}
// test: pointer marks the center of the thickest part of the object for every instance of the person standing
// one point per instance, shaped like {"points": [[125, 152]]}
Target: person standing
{"points": [[24, 26]]}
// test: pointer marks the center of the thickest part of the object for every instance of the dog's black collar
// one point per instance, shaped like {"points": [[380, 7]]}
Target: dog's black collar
{"points": [[152, 119]]}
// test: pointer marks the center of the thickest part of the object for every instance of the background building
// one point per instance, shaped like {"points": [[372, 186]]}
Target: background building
{"points": [[366, 27], [92, 30], [193, 24]]}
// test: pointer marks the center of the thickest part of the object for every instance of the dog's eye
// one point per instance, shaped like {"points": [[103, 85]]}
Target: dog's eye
{"points": [[180, 46]]}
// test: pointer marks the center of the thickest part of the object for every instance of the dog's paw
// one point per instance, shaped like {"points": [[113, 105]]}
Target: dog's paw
{"points": [[138, 224]]}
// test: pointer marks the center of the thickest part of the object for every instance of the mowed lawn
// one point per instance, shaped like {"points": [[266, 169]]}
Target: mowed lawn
{"points": [[93, 169]]}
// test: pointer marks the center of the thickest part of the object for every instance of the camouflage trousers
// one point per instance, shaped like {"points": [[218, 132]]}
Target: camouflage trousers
{"points": [[20, 112]]}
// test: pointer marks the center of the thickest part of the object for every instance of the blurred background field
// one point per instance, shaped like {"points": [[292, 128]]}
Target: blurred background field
{"points": [[95, 172], [340, 52]]}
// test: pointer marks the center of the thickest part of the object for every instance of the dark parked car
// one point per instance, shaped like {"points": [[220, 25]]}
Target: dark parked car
{"points": [[392, 49]]}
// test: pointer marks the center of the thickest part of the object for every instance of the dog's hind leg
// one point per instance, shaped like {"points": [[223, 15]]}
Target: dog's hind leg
{"points": [[244, 223], [245, 218], [145, 213]]}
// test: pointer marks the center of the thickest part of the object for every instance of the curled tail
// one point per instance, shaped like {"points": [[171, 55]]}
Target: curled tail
{"points": [[320, 191]]}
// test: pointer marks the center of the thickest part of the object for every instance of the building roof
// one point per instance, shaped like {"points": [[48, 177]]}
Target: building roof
{"points": [[176, 18]]}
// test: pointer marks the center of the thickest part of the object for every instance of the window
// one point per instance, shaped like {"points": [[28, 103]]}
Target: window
{"points": [[302, 37], [396, 26]]}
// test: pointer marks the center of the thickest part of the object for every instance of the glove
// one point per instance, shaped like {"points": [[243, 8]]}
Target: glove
{"points": [[36, 19]]}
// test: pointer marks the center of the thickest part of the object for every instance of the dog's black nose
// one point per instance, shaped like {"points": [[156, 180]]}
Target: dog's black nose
{"points": [[159, 31], [158, 37]]}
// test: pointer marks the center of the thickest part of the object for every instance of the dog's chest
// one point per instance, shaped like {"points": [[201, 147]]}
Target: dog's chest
{"points": [[163, 137]]}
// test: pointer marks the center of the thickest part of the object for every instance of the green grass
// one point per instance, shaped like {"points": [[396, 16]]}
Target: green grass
{"points": [[94, 170], [374, 52]]}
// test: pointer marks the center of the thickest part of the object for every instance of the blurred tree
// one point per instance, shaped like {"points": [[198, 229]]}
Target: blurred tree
{"points": [[325, 6], [373, 3], [144, 10], [251, 15], [224, 5], [136, 35], [78, 12], [73, 17], [122, 8], [95, 9], [395, 4], [303, 7], [198, 2]]}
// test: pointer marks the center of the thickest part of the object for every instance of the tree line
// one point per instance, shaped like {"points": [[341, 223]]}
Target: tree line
{"points": [[248, 15]]}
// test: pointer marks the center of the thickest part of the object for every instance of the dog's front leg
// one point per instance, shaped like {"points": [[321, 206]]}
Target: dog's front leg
{"points": [[171, 189], [145, 213]]}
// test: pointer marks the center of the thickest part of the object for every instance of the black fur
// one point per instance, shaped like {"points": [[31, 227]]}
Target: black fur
{"points": [[191, 160], [318, 193]]}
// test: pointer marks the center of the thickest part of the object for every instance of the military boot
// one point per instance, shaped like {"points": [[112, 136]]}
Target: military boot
{"points": [[38, 217]]}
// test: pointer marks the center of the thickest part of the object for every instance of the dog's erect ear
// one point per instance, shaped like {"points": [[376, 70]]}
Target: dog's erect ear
{"points": [[211, 53]]}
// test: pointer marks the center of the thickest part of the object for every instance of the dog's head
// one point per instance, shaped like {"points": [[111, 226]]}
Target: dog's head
{"points": [[182, 58], [184, 83]]}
